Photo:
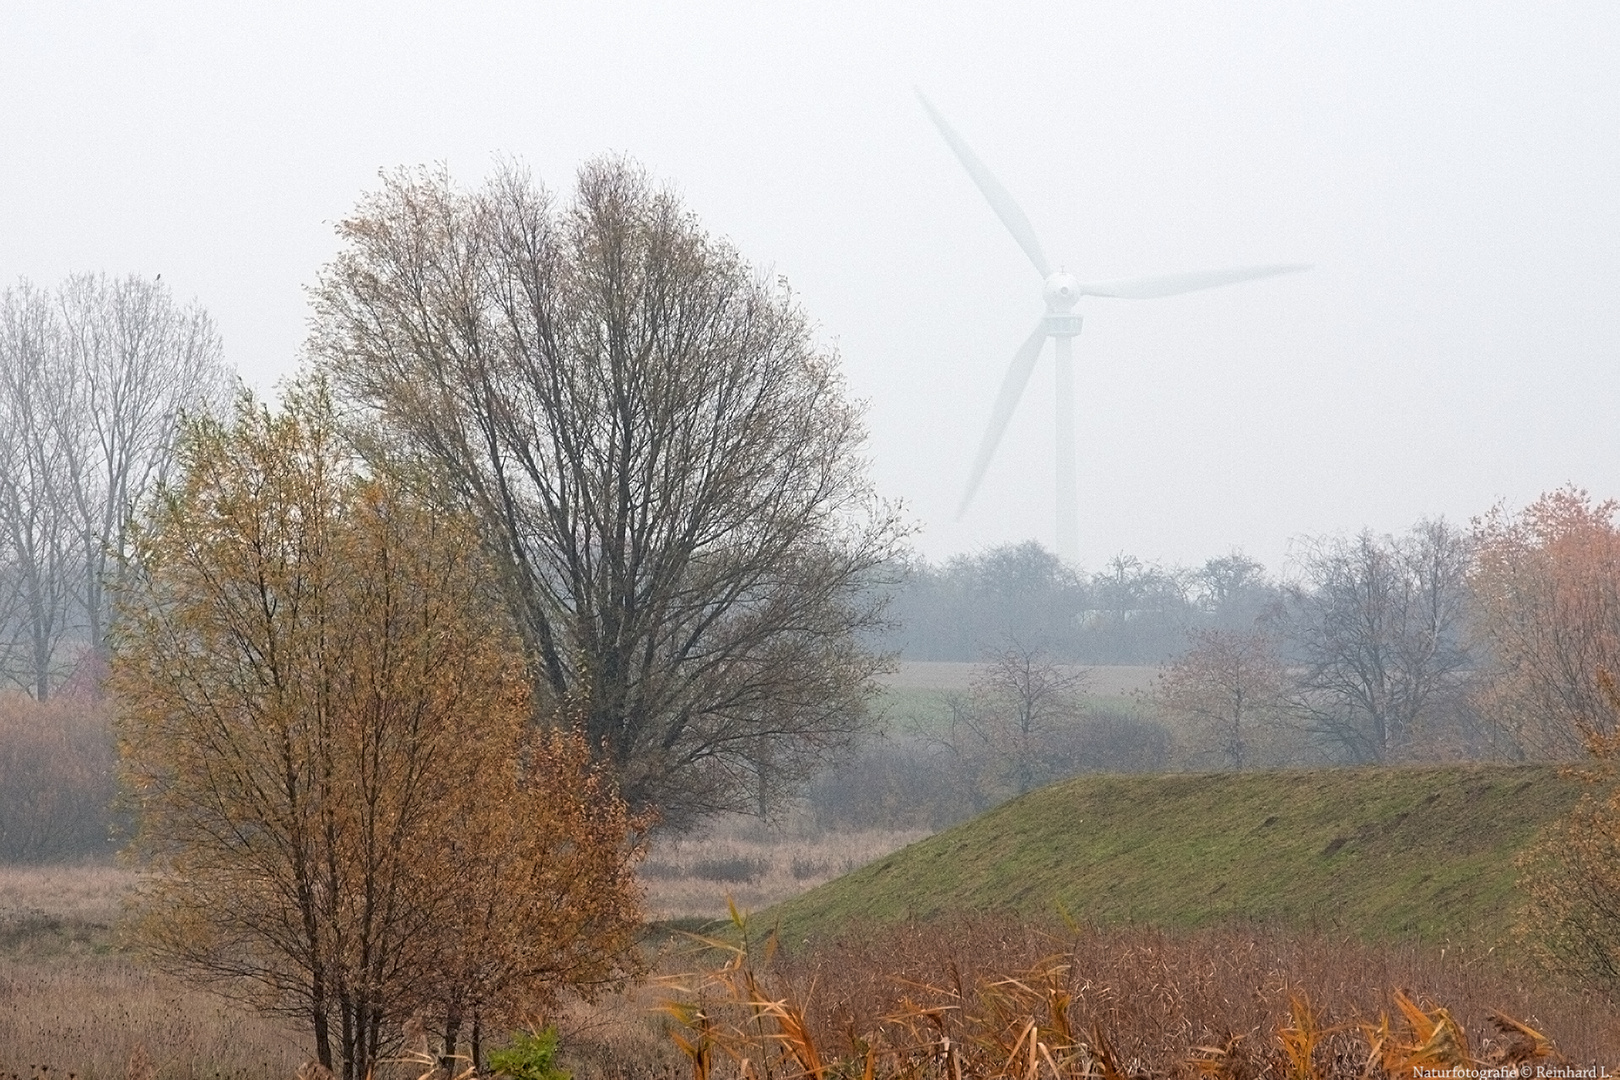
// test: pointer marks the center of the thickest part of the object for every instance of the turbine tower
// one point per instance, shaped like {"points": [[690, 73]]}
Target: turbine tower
{"points": [[1061, 291]]}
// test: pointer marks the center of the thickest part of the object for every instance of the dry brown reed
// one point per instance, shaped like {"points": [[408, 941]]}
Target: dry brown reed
{"points": [[978, 998]]}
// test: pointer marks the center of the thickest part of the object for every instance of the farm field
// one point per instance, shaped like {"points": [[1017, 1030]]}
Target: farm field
{"points": [[917, 692], [1104, 681]]}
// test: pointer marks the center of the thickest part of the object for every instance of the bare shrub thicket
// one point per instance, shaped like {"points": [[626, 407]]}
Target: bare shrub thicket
{"points": [[58, 778]]}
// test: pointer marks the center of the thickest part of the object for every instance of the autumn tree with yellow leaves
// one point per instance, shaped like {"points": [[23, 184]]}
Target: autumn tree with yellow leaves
{"points": [[1546, 597], [326, 727], [1546, 601]]}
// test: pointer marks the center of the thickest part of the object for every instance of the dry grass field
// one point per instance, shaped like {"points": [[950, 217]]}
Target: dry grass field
{"points": [[91, 1015], [89, 892], [73, 1003], [754, 865]]}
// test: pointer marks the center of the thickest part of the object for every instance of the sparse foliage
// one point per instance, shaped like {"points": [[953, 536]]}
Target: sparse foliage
{"points": [[665, 463], [529, 1057], [1018, 717], [326, 726], [1226, 695], [1547, 595], [1377, 630]]}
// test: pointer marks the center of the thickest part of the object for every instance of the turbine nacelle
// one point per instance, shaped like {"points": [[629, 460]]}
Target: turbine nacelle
{"points": [[1062, 292]]}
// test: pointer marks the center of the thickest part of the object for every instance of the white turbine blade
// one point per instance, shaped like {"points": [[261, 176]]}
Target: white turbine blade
{"points": [[1001, 202], [1172, 284], [1012, 388]]}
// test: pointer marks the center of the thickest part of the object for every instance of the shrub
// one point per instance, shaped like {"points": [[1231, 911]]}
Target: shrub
{"points": [[57, 778], [732, 868], [529, 1056]]}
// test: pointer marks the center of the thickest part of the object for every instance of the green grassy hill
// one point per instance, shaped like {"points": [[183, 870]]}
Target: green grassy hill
{"points": [[1376, 852]]}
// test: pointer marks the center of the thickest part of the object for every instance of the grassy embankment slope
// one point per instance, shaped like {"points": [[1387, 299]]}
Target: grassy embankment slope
{"points": [[1425, 852]]}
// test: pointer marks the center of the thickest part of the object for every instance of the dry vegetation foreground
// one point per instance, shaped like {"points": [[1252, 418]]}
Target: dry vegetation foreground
{"points": [[992, 997], [72, 1002]]}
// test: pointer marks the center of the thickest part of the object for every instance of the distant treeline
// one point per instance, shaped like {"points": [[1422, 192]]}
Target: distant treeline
{"points": [[1129, 612]]}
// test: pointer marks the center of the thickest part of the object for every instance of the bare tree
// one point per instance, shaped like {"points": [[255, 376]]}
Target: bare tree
{"points": [[952, 611], [1226, 694], [1013, 729], [664, 462], [1233, 592], [135, 362], [1138, 611], [1377, 629], [36, 515], [93, 379]]}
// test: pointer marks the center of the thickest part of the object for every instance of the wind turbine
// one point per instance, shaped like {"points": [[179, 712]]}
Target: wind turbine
{"points": [[1061, 290]]}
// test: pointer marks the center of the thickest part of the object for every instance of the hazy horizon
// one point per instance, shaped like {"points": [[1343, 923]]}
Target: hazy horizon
{"points": [[1448, 169]]}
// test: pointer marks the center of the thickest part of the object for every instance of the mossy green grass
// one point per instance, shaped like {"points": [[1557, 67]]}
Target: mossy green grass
{"points": [[1424, 853]]}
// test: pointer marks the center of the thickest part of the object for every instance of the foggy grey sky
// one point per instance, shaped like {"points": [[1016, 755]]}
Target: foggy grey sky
{"points": [[1452, 170]]}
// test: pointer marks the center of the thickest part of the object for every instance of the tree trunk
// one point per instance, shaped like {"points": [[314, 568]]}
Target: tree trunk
{"points": [[452, 1036]]}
